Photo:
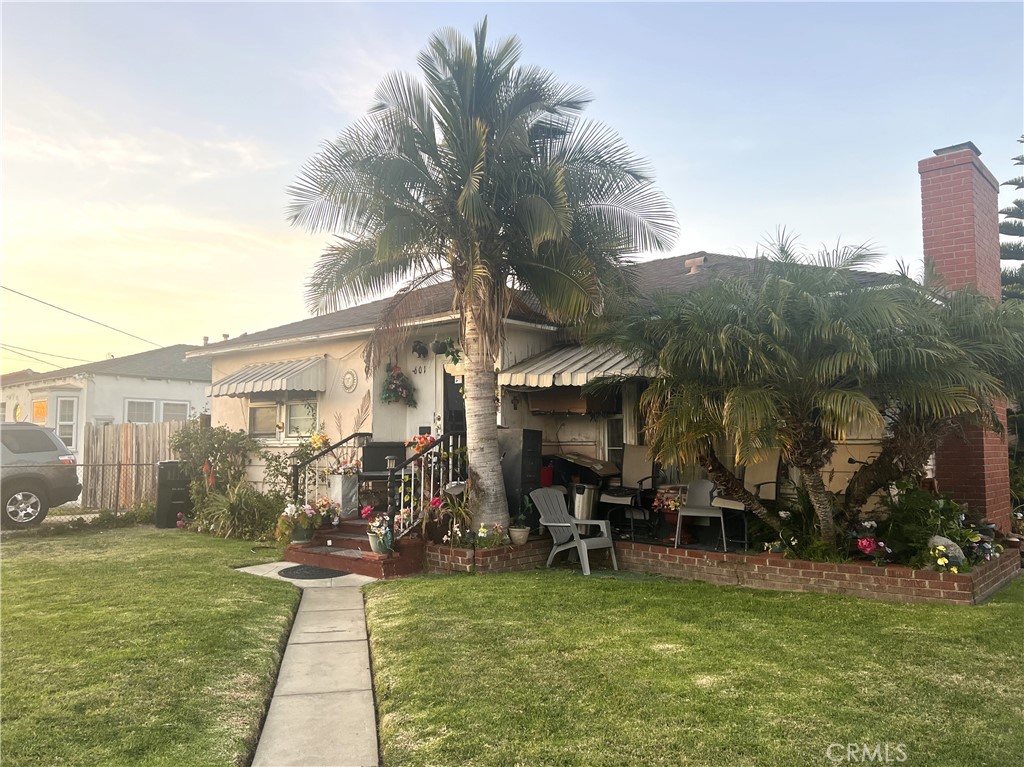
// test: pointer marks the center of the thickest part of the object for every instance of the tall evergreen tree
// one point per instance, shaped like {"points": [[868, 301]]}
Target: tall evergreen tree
{"points": [[1012, 225]]}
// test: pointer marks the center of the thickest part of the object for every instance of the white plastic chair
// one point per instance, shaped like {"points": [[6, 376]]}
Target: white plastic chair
{"points": [[555, 516], [699, 504]]}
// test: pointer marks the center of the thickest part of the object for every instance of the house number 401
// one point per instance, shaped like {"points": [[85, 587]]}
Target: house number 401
{"points": [[419, 369]]}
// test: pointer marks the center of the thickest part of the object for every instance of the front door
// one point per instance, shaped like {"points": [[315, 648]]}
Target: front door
{"points": [[453, 413]]}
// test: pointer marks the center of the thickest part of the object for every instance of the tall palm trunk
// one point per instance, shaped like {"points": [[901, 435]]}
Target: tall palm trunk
{"points": [[487, 488], [821, 499]]}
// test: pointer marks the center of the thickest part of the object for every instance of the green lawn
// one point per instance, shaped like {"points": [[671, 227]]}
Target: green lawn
{"points": [[136, 647], [551, 668]]}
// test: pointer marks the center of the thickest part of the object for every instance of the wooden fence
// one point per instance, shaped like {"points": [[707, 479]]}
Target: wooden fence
{"points": [[119, 462]]}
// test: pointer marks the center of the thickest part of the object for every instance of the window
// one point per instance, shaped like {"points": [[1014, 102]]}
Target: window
{"points": [[67, 420], [175, 411], [22, 441], [263, 419], [139, 411], [299, 417], [301, 420], [3, 411], [614, 441]]}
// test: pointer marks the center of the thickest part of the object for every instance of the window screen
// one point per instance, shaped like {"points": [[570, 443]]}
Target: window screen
{"points": [[301, 418], [175, 411], [140, 411], [263, 420]]}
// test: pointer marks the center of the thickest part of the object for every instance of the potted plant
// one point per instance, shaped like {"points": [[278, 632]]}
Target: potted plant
{"points": [[519, 531], [378, 532], [297, 523], [398, 388]]}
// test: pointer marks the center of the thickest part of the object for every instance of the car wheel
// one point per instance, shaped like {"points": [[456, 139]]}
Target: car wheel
{"points": [[25, 506]]}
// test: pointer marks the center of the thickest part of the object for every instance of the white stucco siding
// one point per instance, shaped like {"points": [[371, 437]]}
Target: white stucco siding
{"points": [[108, 396], [99, 399], [342, 356]]}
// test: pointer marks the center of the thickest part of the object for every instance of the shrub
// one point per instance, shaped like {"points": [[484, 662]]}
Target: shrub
{"points": [[239, 512], [214, 458]]}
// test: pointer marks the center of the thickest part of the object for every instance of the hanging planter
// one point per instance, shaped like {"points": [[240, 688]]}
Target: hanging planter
{"points": [[398, 388]]}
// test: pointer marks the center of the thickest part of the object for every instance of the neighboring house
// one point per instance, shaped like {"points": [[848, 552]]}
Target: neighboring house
{"points": [[150, 387]]}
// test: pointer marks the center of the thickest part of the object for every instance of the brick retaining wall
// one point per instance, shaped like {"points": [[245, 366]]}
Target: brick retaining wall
{"points": [[774, 572], [532, 554], [767, 571]]}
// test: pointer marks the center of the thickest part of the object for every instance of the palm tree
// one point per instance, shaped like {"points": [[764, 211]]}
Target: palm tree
{"points": [[799, 355], [482, 174]]}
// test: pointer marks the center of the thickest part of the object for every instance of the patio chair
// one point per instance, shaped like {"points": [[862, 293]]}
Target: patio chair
{"points": [[761, 479], [555, 516], [699, 504], [637, 469]]}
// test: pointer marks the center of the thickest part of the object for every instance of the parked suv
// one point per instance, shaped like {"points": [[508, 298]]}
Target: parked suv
{"points": [[36, 471]]}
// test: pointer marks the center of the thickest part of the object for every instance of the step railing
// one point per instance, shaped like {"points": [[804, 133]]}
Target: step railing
{"points": [[415, 481], [314, 470]]}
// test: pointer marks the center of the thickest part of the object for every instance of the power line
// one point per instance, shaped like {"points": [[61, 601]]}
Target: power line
{"points": [[30, 357], [73, 314], [12, 347]]}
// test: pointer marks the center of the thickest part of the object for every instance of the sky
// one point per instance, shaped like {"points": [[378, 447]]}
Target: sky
{"points": [[147, 148]]}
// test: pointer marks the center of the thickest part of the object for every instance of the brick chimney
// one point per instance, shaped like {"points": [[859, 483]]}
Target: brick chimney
{"points": [[959, 205]]}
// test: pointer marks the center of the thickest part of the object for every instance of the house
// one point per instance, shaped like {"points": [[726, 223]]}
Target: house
{"points": [[150, 387], [281, 383]]}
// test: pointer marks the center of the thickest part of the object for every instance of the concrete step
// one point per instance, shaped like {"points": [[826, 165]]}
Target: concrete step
{"points": [[336, 540]]}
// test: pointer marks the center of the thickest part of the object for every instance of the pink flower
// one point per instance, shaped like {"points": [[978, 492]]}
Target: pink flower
{"points": [[866, 545], [436, 502], [366, 512]]}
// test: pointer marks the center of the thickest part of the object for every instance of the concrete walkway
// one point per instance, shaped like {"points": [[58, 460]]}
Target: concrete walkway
{"points": [[322, 712]]}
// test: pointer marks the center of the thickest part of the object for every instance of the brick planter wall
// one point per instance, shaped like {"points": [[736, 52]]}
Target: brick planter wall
{"points": [[774, 572], [532, 554], [768, 571]]}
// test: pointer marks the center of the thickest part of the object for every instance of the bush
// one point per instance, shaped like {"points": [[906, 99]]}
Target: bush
{"points": [[213, 458], [240, 512], [915, 516]]}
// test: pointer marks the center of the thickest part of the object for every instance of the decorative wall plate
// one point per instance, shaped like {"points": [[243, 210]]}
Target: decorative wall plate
{"points": [[349, 381]]}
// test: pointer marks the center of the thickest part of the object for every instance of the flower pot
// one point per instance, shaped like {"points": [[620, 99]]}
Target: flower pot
{"points": [[439, 347], [519, 535], [376, 544], [343, 489], [302, 534]]}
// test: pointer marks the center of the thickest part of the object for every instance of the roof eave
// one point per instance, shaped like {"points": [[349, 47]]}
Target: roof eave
{"points": [[218, 349]]}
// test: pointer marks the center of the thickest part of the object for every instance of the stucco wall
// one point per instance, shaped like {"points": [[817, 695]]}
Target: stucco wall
{"points": [[100, 398]]}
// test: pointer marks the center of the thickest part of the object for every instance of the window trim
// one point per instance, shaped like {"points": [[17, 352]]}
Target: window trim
{"points": [[73, 423], [129, 400]]}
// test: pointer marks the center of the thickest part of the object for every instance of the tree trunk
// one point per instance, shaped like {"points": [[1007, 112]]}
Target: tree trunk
{"points": [[824, 508], [487, 488], [904, 454], [730, 484]]}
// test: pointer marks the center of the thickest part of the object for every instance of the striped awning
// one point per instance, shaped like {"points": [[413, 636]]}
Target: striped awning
{"points": [[293, 375], [570, 366]]}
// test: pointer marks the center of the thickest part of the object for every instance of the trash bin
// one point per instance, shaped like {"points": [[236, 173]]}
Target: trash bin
{"points": [[583, 507], [172, 495]]}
